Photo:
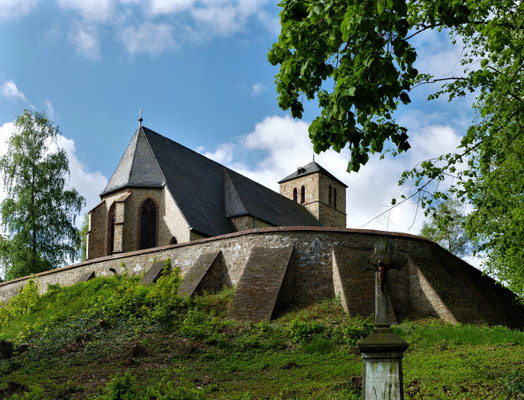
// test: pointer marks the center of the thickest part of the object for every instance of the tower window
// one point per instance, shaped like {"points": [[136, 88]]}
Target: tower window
{"points": [[112, 220], [148, 225], [335, 197], [295, 195], [302, 194], [330, 200], [173, 240]]}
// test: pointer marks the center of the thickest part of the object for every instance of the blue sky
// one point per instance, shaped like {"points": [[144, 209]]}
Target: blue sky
{"points": [[199, 70]]}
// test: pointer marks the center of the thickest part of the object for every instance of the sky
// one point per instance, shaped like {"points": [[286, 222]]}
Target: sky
{"points": [[199, 71]]}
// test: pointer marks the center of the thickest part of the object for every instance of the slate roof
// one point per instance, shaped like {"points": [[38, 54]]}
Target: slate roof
{"points": [[206, 192], [311, 168]]}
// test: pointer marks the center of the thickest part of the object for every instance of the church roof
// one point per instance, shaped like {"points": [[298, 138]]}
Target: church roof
{"points": [[311, 168], [207, 193]]}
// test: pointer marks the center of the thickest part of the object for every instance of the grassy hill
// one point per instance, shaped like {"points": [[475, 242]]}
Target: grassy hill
{"points": [[111, 338]]}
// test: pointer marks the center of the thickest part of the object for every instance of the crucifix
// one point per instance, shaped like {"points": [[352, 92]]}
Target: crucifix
{"points": [[384, 258]]}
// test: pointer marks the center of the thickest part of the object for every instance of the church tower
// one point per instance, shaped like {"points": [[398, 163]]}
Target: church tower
{"points": [[319, 191]]}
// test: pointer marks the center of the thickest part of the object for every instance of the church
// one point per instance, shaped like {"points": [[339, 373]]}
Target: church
{"points": [[163, 193]]}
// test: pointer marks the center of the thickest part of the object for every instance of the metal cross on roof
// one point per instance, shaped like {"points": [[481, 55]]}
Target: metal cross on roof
{"points": [[140, 119]]}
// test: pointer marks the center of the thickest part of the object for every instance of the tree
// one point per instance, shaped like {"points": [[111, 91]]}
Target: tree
{"points": [[356, 58], [39, 211], [446, 227]]}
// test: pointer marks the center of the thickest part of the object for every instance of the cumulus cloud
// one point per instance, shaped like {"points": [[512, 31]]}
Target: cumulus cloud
{"points": [[192, 20], [11, 92], [85, 39], [148, 38], [13, 9], [285, 145], [157, 7], [95, 10]]}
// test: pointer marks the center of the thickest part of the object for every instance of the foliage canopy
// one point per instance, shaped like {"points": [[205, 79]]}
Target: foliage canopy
{"points": [[357, 59], [446, 228], [39, 211]]}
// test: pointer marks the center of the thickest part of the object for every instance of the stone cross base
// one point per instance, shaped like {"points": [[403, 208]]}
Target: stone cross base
{"points": [[382, 353]]}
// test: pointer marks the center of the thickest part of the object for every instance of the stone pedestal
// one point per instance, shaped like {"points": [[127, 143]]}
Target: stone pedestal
{"points": [[382, 353]]}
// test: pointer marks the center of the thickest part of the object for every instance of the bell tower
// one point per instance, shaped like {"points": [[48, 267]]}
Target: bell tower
{"points": [[319, 191]]}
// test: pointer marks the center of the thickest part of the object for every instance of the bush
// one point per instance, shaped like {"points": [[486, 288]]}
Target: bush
{"points": [[121, 387], [303, 331], [356, 329], [23, 303]]}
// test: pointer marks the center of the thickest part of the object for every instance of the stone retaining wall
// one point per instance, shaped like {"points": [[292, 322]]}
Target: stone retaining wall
{"points": [[434, 282]]}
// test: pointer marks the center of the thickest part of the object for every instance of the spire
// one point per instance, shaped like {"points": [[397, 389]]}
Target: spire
{"points": [[140, 119]]}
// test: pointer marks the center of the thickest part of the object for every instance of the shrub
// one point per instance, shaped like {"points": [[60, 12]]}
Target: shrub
{"points": [[303, 331], [23, 303], [121, 387], [356, 329]]}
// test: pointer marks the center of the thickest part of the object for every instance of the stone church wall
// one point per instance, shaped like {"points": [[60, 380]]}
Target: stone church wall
{"points": [[324, 263], [170, 222]]}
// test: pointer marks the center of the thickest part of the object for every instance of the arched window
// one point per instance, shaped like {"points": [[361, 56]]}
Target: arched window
{"points": [[173, 240], [302, 194], [148, 224], [111, 233], [330, 199], [335, 197], [295, 195]]}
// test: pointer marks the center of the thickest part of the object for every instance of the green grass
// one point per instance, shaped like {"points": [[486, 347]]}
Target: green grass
{"points": [[111, 338]]}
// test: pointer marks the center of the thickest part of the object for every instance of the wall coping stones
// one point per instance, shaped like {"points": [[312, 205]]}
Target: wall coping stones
{"points": [[255, 231]]}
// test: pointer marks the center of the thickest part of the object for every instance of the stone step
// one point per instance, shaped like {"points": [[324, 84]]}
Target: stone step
{"points": [[205, 274], [258, 288]]}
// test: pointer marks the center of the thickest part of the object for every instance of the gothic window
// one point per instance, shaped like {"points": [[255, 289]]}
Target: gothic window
{"points": [[330, 200], [148, 224], [173, 240], [302, 194], [112, 219], [335, 197], [295, 196]]}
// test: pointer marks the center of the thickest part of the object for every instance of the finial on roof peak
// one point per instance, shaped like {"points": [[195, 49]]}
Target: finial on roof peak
{"points": [[140, 119], [313, 156]]}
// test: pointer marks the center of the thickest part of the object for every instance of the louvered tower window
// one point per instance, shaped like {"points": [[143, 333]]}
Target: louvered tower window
{"points": [[148, 225], [302, 194], [295, 195]]}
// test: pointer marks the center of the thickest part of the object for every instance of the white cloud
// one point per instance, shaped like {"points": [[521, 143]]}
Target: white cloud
{"points": [[85, 39], [169, 6], [258, 88], [95, 10], [148, 38], [223, 154], [12, 9], [50, 111], [11, 92], [88, 183], [285, 145]]}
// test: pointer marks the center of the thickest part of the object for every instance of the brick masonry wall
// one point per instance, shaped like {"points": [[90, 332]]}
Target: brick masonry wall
{"points": [[434, 282]]}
